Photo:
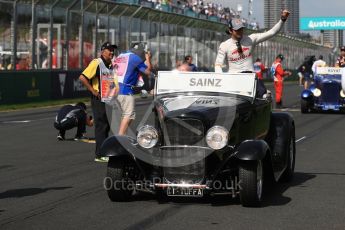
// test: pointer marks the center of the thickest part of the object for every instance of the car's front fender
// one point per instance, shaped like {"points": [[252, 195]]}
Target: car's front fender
{"points": [[307, 94], [118, 146], [252, 150]]}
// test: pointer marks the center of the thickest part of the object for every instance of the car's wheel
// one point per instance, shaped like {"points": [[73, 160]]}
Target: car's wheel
{"points": [[117, 183], [304, 106], [291, 155], [251, 183]]}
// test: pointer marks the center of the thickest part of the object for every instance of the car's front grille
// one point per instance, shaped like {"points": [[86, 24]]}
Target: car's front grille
{"points": [[330, 93], [183, 164], [184, 132]]}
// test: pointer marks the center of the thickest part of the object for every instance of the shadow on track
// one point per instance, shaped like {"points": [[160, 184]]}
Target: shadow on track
{"points": [[274, 192], [17, 193], [273, 195], [156, 218], [6, 167]]}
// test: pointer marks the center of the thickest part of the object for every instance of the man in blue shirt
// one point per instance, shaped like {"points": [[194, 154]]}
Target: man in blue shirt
{"points": [[189, 60], [127, 66]]}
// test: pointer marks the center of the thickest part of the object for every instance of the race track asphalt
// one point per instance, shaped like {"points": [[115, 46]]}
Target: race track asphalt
{"points": [[47, 184]]}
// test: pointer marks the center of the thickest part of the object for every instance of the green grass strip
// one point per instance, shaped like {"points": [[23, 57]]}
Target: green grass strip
{"points": [[41, 104]]}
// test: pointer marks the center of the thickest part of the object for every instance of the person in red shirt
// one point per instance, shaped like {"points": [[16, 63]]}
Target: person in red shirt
{"points": [[259, 68], [22, 64], [279, 73], [341, 59]]}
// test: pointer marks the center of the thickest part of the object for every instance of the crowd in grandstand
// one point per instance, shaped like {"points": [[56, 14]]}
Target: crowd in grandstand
{"points": [[201, 7]]}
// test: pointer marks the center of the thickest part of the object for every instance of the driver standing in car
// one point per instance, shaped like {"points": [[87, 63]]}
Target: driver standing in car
{"points": [[238, 49]]}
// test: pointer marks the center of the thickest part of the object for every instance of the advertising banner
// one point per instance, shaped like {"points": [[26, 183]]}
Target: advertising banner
{"points": [[322, 23], [35, 86], [66, 84], [22, 87]]}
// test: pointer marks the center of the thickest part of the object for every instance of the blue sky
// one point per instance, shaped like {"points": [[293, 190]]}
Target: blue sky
{"points": [[308, 8]]}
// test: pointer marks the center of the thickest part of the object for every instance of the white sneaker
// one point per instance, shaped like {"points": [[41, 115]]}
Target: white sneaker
{"points": [[102, 159], [144, 93]]}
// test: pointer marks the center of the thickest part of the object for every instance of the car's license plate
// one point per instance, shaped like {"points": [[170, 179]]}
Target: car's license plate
{"points": [[328, 107], [177, 191]]}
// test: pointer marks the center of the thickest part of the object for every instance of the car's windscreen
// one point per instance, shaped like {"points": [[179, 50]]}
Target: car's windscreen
{"points": [[174, 82]]}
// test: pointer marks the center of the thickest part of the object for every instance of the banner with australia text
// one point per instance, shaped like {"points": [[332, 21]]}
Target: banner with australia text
{"points": [[322, 23]]}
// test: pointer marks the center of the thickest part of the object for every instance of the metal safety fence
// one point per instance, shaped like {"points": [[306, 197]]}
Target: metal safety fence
{"points": [[67, 35]]}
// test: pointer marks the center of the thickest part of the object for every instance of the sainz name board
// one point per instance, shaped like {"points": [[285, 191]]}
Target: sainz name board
{"points": [[241, 84]]}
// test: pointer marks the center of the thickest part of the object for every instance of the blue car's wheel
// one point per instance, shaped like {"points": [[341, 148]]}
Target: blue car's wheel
{"points": [[304, 106]]}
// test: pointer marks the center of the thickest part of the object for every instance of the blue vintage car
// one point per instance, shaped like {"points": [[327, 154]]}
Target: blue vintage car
{"points": [[325, 93]]}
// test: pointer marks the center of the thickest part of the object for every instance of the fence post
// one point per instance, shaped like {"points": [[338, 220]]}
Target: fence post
{"points": [[14, 36]]}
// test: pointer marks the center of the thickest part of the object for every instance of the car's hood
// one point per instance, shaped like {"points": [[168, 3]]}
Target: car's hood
{"points": [[212, 110], [321, 79]]}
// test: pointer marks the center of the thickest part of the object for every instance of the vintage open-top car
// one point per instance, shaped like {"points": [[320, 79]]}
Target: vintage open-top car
{"points": [[205, 134], [325, 93]]}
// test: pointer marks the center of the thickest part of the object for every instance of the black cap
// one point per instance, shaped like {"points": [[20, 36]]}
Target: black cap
{"points": [[321, 57], [281, 56], [236, 24], [342, 48], [81, 104], [108, 46]]}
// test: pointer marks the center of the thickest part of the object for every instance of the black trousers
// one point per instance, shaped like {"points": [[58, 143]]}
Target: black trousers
{"points": [[101, 123], [69, 123], [260, 88]]}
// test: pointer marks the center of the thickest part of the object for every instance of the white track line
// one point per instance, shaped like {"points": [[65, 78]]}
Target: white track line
{"points": [[14, 122], [26, 121], [302, 138]]}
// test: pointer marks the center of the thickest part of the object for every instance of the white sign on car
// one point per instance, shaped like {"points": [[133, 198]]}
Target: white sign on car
{"points": [[238, 83], [329, 70]]}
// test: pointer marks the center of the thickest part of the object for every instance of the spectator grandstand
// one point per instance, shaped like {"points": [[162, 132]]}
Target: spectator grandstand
{"points": [[195, 8]]}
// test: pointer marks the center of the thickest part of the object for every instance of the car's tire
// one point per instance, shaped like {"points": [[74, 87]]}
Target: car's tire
{"points": [[291, 154], [281, 135], [117, 184], [304, 106], [251, 183]]}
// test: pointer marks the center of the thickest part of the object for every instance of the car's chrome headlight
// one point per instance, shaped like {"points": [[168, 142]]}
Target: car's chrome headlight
{"points": [[317, 92], [342, 93], [217, 137], [147, 136]]}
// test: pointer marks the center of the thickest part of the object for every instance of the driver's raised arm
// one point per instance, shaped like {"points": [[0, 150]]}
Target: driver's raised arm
{"points": [[260, 37]]}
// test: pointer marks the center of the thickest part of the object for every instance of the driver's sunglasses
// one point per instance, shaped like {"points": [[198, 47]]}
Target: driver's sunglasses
{"points": [[239, 47]]}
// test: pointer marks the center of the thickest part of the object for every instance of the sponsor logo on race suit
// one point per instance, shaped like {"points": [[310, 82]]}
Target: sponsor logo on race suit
{"points": [[241, 57]]}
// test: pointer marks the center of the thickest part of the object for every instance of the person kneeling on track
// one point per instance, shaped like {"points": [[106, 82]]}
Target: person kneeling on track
{"points": [[70, 116]]}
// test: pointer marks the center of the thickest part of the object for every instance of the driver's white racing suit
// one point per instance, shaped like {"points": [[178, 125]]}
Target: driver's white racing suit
{"points": [[242, 62]]}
